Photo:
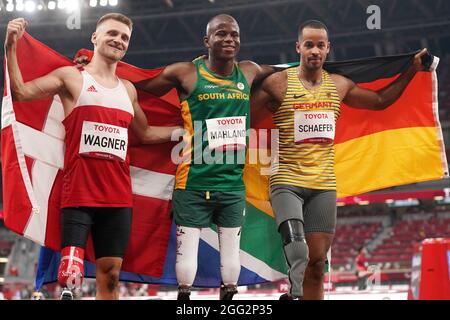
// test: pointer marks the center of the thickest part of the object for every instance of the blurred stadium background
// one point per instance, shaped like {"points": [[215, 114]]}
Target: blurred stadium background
{"points": [[167, 31]]}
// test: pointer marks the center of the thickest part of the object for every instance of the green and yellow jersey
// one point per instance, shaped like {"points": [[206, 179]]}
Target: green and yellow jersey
{"points": [[216, 117]]}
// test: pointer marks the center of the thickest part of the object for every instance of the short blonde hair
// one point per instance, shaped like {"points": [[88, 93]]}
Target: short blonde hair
{"points": [[117, 17]]}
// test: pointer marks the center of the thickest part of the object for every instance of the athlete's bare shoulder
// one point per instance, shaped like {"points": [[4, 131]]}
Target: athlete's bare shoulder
{"points": [[338, 79], [71, 78], [183, 75], [271, 91], [343, 84], [67, 71], [248, 64], [130, 87], [255, 72], [69, 75], [179, 75], [180, 69], [277, 76], [127, 83], [276, 83], [250, 69]]}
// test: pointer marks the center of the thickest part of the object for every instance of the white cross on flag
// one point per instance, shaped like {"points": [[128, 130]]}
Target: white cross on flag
{"points": [[33, 159]]}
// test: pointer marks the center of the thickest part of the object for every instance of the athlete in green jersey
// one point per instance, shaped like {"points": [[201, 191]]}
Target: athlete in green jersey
{"points": [[216, 116], [214, 91]]}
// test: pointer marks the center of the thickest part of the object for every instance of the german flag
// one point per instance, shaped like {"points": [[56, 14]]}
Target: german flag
{"points": [[400, 145]]}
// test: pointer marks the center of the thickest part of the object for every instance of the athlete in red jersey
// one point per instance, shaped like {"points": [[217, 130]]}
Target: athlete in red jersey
{"points": [[99, 108]]}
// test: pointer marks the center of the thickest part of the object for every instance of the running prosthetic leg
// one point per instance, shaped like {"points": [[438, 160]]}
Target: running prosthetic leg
{"points": [[71, 271]]}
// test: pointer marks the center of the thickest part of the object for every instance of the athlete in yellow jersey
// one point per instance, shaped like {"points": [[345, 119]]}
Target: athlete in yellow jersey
{"points": [[306, 104]]}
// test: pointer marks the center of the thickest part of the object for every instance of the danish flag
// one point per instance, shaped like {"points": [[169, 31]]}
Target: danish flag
{"points": [[33, 162]]}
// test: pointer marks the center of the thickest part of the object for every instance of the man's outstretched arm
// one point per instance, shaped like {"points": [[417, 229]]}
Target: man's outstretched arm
{"points": [[171, 77], [259, 72], [145, 133]]}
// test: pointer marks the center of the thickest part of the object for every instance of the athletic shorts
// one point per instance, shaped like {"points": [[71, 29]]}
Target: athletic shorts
{"points": [[191, 208], [315, 208], [110, 228]]}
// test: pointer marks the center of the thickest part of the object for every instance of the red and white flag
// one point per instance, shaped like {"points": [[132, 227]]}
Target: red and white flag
{"points": [[33, 159]]}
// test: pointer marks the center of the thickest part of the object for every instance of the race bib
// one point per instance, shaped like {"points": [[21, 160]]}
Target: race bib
{"points": [[314, 126], [105, 141], [226, 133]]}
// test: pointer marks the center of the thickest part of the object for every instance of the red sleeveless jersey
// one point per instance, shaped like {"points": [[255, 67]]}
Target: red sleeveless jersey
{"points": [[96, 161]]}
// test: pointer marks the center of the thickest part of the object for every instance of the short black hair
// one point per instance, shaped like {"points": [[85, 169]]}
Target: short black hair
{"points": [[313, 24]]}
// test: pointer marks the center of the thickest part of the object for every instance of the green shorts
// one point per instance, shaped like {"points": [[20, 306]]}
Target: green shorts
{"points": [[192, 208]]}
